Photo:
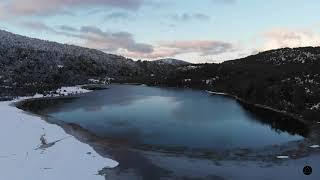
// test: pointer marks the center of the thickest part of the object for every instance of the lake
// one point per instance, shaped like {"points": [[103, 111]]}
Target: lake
{"points": [[170, 118]]}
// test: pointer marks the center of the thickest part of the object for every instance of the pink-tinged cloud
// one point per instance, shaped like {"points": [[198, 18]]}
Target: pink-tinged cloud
{"points": [[159, 52], [110, 42], [174, 48], [280, 38], [125, 44], [203, 47], [47, 7]]}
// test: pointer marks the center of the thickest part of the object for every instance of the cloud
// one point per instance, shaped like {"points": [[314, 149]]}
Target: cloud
{"points": [[174, 48], [117, 16], [280, 38], [158, 52], [3, 10], [67, 28], [207, 47], [125, 44], [42, 7], [94, 37], [111, 42], [36, 26], [189, 17]]}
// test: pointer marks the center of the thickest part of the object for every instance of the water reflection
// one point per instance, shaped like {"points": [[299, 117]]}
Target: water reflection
{"points": [[277, 121]]}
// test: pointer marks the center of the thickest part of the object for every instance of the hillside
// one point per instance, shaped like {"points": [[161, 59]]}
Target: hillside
{"points": [[32, 63], [175, 62], [302, 55]]}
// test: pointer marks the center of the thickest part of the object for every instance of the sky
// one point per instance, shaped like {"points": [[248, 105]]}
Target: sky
{"points": [[193, 30]]}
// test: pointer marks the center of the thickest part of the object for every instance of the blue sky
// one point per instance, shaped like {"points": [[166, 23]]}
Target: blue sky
{"points": [[197, 31]]}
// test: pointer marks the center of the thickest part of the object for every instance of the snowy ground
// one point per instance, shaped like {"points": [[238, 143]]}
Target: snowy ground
{"points": [[22, 159]]}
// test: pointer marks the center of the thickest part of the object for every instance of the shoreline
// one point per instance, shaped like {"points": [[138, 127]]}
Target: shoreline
{"points": [[64, 157], [294, 116]]}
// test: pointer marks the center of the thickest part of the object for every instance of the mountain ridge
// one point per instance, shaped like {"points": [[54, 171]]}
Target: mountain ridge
{"points": [[172, 61], [302, 55]]}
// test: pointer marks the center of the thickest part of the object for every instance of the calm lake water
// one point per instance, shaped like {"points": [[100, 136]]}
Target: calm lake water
{"points": [[169, 117]]}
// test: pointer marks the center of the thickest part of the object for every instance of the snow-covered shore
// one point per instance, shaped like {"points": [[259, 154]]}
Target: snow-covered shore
{"points": [[21, 159]]}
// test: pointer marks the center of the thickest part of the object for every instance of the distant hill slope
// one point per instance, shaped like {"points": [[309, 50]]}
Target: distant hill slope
{"points": [[25, 61], [10, 40], [302, 55], [175, 62]]}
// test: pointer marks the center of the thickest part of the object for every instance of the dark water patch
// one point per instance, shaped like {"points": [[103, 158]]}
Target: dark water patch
{"points": [[43, 106], [277, 121]]}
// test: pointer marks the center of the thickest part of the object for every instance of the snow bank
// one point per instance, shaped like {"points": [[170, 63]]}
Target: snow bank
{"points": [[315, 107], [71, 90], [315, 146], [283, 157], [216, 93], [67, 159]]}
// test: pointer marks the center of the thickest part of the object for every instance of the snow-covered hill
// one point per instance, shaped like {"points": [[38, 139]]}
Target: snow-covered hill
{"points": [[171, 61], [9, 40], [302, 55], [28, 61]]}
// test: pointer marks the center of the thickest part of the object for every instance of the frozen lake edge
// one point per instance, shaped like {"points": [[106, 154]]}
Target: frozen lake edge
{"points": [[68, 158]]}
